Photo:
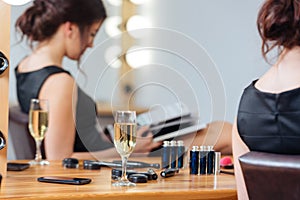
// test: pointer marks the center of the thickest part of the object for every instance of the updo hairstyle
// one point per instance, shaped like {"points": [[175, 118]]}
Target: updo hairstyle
{"points": [[42, 19], [278, 24]]}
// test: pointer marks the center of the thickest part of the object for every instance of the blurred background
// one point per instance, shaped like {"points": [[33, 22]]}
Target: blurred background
{"points": [[151, 53]]}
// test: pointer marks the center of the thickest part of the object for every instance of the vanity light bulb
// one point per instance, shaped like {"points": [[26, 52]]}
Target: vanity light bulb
{"points": [[115, 2], [138, 57], [16, 2], [138, 2]]}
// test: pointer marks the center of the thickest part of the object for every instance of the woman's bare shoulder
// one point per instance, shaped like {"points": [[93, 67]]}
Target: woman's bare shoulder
{"points": [[60, 86]]}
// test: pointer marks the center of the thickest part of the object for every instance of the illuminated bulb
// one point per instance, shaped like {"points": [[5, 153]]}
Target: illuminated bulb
{"points": [[135, 24], [17, 2], [138, 2], [138, 57], [116, 64], [115, 2], [112, 25]]}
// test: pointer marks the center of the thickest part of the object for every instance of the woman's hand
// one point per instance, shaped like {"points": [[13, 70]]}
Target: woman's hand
{"points": [[144, 144]]}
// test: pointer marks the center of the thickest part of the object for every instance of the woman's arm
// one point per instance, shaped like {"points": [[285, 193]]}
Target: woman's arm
{"points": [[239, 148], [61, 90], [217, 134]]}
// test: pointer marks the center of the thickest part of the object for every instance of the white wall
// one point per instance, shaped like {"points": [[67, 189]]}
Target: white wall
{"points": [[204, 52], [227, 31]]}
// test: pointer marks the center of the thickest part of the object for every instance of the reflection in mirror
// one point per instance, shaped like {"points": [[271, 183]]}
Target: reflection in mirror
{"points": [[138, 56]]}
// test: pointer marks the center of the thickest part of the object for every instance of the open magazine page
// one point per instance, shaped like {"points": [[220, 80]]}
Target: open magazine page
{"points": [[167, 123], [180, 132], [163, 114]]}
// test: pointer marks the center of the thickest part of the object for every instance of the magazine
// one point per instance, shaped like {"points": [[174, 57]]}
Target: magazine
{"points": [[165, 124]]}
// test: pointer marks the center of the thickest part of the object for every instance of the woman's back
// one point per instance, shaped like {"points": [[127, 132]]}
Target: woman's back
{"points": [[269, 111]]}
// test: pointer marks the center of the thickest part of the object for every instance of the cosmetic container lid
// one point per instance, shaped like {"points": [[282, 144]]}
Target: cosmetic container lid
{"points": [[166, 143], [70, 163], [90, 165], [195, 148], [179, 143], [173, 143], [118, 172], [138, 178]]}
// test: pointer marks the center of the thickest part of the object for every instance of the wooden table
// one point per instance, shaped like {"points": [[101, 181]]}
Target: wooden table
{"points": [[106, 109], [23, 185]]}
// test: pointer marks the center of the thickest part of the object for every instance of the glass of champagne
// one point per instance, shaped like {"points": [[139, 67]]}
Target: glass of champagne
{"points": [[125, 140], [38, 125]]}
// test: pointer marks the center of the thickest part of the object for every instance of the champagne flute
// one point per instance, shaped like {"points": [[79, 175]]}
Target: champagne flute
{"points": [[38, 125], [125, 141]]}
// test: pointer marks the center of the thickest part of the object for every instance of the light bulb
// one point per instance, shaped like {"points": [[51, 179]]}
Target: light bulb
{"points": [[138, 2], [138, 57], [115, 2], [16, 2], [136, 24], [112, 25]]}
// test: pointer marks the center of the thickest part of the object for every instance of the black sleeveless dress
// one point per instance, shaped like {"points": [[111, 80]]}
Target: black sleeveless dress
{"points": [[270, 122], [87, 137]]}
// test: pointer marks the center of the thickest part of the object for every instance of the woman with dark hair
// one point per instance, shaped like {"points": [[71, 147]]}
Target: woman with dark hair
{"points": [[64, 28], [268, 117]]}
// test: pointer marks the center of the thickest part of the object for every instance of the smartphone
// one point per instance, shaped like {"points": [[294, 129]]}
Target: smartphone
{"points": [[64, 180], [17, 166]]}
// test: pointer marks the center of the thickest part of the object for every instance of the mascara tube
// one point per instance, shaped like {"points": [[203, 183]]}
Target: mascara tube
{"points": [[210, 160], [173, 154], [203, 156], [194, 160], [165, 157], [180, 152]]}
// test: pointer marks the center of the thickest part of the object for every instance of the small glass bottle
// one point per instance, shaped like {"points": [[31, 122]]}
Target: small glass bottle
{"points": [[173, 154], [165, 157], [203, 157], [194, 160], [217, 163], [210, 160], [180, 154]]}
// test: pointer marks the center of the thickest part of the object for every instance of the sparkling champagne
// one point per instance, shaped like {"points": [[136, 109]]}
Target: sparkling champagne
{"points": [[38, 123], [125, 138]]}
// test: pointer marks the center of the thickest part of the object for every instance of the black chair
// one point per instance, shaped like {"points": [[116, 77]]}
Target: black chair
{"points": [[271, 176], [22, 141]]}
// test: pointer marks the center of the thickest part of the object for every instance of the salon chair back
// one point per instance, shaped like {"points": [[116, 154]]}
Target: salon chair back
{"points": [[22, 141], [271, 176]]}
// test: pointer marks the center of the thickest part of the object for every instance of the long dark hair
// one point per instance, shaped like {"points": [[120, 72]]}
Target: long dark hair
{"points": [[40, 21], [278, 24]]}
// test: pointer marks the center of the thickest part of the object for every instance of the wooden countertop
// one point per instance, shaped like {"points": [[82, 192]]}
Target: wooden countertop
{"points": [[106, 109], [24, 185]]}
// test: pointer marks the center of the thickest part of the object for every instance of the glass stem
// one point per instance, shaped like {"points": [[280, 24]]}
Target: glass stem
{"points": [[38, 154], [124, 164]]}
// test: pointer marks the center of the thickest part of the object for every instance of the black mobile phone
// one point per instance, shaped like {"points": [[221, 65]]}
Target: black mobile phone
{"points": [[64, 180], [17, 166]]}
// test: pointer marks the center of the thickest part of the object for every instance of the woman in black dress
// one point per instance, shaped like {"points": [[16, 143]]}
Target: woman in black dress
{"points": [[268, 117]]}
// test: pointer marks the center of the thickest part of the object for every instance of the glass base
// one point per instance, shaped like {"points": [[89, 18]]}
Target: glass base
{"points": [[124, 183], [41, 162]]}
